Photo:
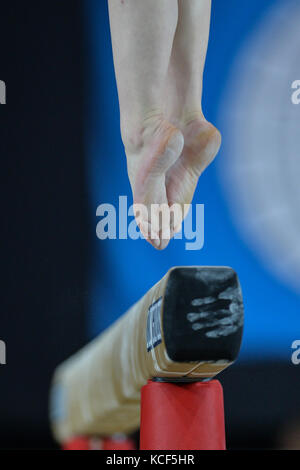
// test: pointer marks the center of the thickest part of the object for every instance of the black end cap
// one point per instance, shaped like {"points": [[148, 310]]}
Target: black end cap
{"points": [[203, 314]]}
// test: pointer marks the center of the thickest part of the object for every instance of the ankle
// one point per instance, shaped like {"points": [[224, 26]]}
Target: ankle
{"points": [[153, 126], [195, 115]]}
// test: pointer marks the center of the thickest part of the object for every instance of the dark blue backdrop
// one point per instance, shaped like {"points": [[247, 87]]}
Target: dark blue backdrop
{"points": [[122, 270]]}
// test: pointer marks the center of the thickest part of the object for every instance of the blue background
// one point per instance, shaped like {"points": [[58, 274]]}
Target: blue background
{"points": [[123, 270]]}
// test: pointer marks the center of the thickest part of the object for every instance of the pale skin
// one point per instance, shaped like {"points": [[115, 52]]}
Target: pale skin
{"points": [[159, 51]]}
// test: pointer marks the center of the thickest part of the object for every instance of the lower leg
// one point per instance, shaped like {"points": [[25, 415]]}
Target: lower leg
{"points": [[142, 37], [184, 107], [185, 75]]}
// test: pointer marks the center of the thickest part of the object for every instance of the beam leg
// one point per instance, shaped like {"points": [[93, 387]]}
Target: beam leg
{"points": [[118, 442], [182, 416]]}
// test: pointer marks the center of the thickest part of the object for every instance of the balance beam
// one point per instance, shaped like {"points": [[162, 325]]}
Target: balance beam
{"points": [[187, 327]]}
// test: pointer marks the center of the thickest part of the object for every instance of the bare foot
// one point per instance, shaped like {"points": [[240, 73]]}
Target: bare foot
{"points": [[201, 144], [150, 154], [164, 166]]}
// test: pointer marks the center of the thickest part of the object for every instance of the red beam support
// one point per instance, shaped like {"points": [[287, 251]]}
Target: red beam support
{"points": [[182, 416]]}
